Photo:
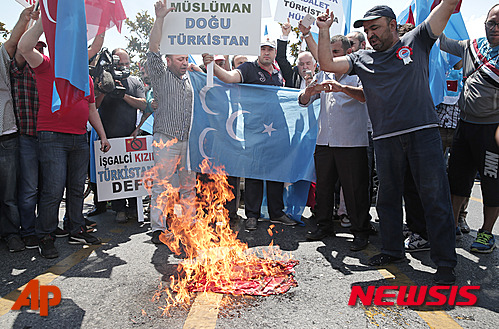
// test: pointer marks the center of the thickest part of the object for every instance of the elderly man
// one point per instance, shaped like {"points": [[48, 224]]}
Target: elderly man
{"points": [[172, 123], [341, 150], [261, 71], [300, 75], [474, 147], [405, 130]]}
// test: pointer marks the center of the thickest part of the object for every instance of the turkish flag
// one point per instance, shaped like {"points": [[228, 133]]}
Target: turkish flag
{"points": [[436, 2], [103, 15], [137, 144]]}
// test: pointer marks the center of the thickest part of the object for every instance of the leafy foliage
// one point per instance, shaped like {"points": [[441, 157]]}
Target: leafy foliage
{"points": [[4, 33], [138, 41]]}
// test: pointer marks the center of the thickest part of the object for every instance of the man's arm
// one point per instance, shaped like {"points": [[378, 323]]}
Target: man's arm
{"points": [[356, 93], [22, 24], [439, 16], [226, 76], [338, 65], [135, 102], [94, 119], [281, 58], [451, 46], [96, 45], [28, 42], [311, 44], [161, 11]]}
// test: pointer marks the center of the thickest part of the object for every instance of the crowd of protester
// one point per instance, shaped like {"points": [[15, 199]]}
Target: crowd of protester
{"points": [[376, 111]]}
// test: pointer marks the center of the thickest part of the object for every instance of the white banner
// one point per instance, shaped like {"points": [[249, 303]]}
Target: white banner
{"points": [[207, 26], [295, 10], [27, 3], [119, 172]]}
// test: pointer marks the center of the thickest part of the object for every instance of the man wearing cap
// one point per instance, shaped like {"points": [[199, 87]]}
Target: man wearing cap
{"points": [[263, 72], [405, 130]]}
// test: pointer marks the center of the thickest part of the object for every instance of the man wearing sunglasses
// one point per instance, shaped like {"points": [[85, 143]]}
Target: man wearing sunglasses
{"points": [[474, 137]]}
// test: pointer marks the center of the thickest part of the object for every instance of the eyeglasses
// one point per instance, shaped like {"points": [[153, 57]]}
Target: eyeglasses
{"points": [[491, 24]]}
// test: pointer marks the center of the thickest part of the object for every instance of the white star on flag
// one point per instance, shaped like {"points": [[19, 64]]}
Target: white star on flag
{"points": [[268, 129]]}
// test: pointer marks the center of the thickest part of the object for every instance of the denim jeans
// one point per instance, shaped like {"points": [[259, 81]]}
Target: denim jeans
{"points": [[28, 183], [64, 161], [421, 151], [9, 214]]}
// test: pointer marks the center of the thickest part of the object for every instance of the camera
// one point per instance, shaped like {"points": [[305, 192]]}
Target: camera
{"points": [[107, 74]]}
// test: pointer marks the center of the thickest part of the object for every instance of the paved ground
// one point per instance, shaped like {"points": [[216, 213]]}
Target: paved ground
{"points": [[111, 286]]}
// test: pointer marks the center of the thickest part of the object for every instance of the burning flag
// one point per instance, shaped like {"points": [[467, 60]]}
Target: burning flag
{"points": [[216, 261]]}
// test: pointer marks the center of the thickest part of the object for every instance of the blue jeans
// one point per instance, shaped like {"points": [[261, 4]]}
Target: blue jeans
{"points": [[9, 159], [64, 162], [421, 151], [28, 183]]}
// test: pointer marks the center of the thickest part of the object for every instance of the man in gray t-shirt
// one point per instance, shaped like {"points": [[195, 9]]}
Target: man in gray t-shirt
{"points": [[395, 80]]}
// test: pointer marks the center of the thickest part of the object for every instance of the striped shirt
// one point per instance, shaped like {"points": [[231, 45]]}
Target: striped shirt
{"points": [[174, 96]]}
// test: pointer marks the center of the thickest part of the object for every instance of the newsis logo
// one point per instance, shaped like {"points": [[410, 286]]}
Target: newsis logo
{"points": [[413, 295]]}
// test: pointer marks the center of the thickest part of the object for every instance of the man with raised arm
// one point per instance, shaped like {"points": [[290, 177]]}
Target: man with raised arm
{"points": [[473, 146], [64, 151], [263, 72], [405, 131], [172, 122]]}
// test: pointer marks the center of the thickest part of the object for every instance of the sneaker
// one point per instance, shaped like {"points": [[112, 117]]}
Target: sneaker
{"points": [[384, 259], [60, 233], [155, 237], [359, 244], [284, 219], [47, 248], [484, 242], [345, 221], [15, 243], [31, 241], [416, 242], [120, 217], [83, 238], [250, 224], [444, 276], [96, 211], [459, 234], [461, 222]]}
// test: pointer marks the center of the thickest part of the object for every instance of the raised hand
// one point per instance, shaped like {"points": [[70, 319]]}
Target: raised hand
{"points": [[325, 20], [161, 9], [286, 28]]}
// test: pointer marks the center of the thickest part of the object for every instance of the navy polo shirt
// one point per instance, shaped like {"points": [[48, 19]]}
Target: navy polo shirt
{"points": [[252, 73]]}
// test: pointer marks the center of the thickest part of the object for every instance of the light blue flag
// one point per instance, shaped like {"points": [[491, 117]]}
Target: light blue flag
{"points": [[347, 13], [440, 62], [255, 131]]}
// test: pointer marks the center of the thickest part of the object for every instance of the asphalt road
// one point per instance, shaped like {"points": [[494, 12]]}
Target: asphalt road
{"points": [[112, 286]]}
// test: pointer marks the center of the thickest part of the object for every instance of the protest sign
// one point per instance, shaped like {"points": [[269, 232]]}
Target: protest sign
{"points": [[119, 172], [27, 3], [216, 27], [296, 10]]}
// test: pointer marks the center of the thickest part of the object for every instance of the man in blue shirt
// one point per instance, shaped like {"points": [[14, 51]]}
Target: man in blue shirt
{"points": [[263, 72]]}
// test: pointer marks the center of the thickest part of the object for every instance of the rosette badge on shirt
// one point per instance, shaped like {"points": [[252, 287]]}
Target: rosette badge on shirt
{"points": [[404, 53]]}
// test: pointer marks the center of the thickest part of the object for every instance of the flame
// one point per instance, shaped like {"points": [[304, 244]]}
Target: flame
{"points": [[215, 260]]}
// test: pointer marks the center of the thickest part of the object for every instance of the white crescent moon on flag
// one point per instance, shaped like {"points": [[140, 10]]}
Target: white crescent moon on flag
{"points": [[45, 5], [230, 122], [202, 97], [201, 140]]}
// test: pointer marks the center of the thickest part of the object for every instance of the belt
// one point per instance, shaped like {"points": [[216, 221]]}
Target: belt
{"points": [[4, 138]]}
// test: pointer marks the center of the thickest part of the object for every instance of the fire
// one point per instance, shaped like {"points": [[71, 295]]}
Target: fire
{"points": [[216, 260]]}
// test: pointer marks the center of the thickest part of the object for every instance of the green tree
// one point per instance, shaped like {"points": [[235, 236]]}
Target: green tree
{"points": [[138, 41], [4, 33]]}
